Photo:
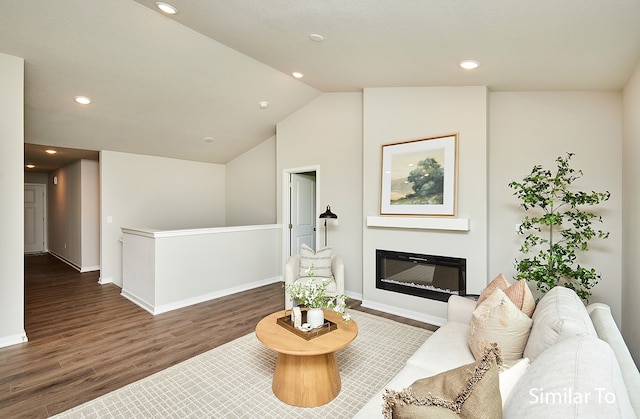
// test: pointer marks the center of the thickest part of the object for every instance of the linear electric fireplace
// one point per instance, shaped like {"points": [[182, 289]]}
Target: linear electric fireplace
{"points": [[428, 276]]}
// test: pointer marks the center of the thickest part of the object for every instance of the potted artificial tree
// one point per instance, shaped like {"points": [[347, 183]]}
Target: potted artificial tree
{"points": [[557, 229]]}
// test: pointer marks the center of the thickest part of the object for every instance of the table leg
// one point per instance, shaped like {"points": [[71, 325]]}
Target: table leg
{"points": [[306, 381]]}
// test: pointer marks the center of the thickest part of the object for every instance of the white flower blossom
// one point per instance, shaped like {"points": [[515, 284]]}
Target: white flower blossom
{"points": [[313, 294]]}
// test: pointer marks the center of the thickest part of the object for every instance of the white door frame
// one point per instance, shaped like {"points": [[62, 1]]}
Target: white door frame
{"points": [[286, 206]]}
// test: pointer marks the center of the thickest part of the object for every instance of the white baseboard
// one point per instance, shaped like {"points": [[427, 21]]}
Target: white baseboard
{"points": [[105, 280], [138, 301], [65, 260], [175, 305], [421, 317], [75, 266], [354, 295], [90, 268], [13, 340]]}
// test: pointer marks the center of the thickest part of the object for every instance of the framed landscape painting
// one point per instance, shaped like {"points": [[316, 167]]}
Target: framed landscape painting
{"points": [[419, 177]]}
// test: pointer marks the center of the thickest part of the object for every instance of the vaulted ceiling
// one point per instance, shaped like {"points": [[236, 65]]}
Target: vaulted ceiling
{"points": [[189, 86]]}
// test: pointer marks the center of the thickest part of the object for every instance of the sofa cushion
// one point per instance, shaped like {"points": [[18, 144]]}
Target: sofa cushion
{"points": [[448, 345], [510, 375], [499, 320], [560, 314], [578, 377], [470, 391], [315, 263]]}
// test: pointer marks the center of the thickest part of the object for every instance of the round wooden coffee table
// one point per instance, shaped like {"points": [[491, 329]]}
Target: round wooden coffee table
{"points": [[306, 372]]}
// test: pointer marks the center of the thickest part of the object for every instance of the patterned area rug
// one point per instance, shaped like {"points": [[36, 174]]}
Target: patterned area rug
{"points": [[234, 380]]}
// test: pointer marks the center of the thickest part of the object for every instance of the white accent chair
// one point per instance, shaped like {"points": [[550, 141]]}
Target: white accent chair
{"points": [[292, 275]]}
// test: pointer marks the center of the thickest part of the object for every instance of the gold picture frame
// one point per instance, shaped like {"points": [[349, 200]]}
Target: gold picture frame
{"points": [[419, 177]]}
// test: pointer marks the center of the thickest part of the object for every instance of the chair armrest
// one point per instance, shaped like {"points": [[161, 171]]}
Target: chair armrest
{"points": [[460, 309], [292, 269], [608, 331], [337, 268]]}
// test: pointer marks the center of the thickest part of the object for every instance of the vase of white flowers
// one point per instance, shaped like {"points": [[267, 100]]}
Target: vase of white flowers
{"points": [[315, 317], [312, 293]]}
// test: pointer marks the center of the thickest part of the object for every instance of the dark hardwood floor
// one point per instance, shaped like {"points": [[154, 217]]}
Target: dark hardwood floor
{"points": [[86, 340]]}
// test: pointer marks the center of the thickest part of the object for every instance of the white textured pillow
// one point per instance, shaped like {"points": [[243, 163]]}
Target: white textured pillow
{"points": [[315, 264], [499, 320], [510, 376], [559, 315]]}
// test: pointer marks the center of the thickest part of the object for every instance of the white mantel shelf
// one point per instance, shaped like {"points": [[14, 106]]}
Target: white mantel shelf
{"points": [[428, 223]]}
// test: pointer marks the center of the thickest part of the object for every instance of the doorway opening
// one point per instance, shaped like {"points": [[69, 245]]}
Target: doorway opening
{"points": [[35, 218], [300, 209]]}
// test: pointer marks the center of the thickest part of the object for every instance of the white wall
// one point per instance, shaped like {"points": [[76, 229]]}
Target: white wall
{"points": [[529, 128], [73, 210], [251, 186], [36, 177], [12, 208], [630, 212], [90, 215], [154, 192], [63, 207], [327, 133], [394, 115]]}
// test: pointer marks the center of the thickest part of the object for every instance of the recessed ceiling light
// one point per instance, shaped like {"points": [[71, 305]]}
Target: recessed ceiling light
{"points": [[83, 100], [316, 37], [49, 151], [264, 104], [297, 74], [469, 64], [166, 8], [208, 139], [30, 166]]}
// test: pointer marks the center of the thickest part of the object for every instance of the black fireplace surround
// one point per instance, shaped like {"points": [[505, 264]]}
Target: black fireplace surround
{"points": [[428, 276]]}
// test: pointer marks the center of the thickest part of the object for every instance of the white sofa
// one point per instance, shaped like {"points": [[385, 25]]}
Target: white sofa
{"points": [[579, 366]]}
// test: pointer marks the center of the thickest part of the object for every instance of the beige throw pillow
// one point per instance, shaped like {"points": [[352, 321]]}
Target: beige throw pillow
{"points": [[519, 293], [315, 263], [522, 297], [471, 391], [499, 282], [499, 320]]}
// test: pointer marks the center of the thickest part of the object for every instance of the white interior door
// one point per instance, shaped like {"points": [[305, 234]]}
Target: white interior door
{"points": [[303, 214], [33, 218]]}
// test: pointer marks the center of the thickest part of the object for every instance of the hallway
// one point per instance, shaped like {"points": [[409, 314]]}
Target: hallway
{"points": [[86, 340]]}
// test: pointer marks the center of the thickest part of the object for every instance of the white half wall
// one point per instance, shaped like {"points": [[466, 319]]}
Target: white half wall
{"points": [[393, 115], [630, 211], [529, 128], [12, 208], [157, 192], [168, 270]]}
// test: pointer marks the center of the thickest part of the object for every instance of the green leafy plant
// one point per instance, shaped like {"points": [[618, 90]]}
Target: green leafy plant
{"points": [[558, 229], [313, 294]]}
